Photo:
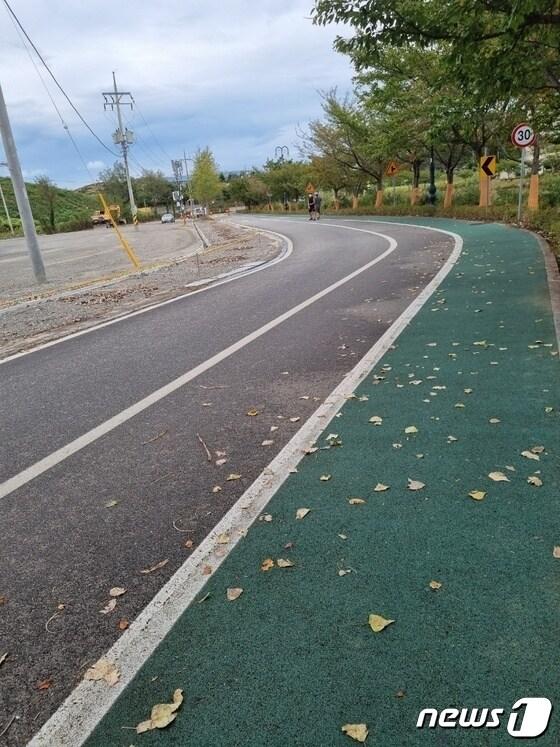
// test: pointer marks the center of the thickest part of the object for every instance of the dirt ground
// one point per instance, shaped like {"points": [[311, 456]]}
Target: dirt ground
{"points": [[37, 320]]}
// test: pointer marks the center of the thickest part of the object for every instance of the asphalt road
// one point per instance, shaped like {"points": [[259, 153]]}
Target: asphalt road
{"points": [[134, 496]]}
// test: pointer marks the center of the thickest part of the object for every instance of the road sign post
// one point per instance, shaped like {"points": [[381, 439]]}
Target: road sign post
{"points": [[522, 136], [487, 169]]}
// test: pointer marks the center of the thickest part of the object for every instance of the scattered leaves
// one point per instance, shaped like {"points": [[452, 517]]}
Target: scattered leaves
{"points": [[155, 567], [267, 442], [301, 513], [356, 501], [534, 480], [233, 476], [162, 714], [411, 429], [252, 412], [435, 585], [357, 732], [123, 623], [110, 504], [223, 539], [376, 420], [283, 563], [380, 487], [325, 478], [103, 670], [295, 420], [44, 684], [494, 421], [267, 564], [378, 623], [233, 594], [556, 552]]}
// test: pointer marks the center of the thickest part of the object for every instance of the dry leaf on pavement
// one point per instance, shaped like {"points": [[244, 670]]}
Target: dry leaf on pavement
{"points": [[233, 476], [3, 658], [530, 455], [378, 623], [223, 539], [44, 684], [380, 487], [301, 513], [477, 495], [411, 429], [435, 585], [267, 564], [252, 412], [376, 420], [117, 591], [534, 480], [324, 478], [357, 732], [282, 563], [155, 567], [162, 714], [109, 607], [498, 477], [233, 594], [103, 670], [356, 501], [415, 484], [123, 624], [556, 552]]}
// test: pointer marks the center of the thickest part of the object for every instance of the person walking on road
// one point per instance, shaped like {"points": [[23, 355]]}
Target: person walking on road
{"points": [[318, 200], [311, 206]]}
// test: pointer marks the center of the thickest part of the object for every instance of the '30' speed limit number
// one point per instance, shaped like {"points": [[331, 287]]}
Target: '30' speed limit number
{"points": [[523, 136]]}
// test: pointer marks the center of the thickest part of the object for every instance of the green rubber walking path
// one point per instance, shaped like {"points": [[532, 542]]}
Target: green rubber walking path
{"points": [[293, 659]]}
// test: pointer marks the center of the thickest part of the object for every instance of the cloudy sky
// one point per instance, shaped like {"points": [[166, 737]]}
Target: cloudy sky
{"points": [[236, 75]]}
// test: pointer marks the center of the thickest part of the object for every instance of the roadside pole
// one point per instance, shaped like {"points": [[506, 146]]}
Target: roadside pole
{"points": [[522, 136], [20, 192], [521, 175]]}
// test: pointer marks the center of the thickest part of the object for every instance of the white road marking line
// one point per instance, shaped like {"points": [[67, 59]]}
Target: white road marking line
{"points": [[84, 708], [280, 258], [30, 473]]}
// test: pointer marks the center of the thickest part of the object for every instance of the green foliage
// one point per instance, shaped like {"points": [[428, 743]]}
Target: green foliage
{"points": [[286, 179], [206, 184]]}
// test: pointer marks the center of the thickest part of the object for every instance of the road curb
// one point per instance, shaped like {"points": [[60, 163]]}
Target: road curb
{"points": [[553, 277]]}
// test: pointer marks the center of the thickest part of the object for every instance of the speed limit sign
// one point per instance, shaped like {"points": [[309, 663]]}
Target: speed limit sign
{"points": [[523, 135]]}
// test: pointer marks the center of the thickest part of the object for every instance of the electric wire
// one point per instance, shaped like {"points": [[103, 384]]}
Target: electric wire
{"points": [[61, 89]]}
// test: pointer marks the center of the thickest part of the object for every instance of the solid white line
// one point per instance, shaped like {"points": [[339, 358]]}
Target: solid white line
{"points": [[30, 473], [76, 718], [280, 258]]}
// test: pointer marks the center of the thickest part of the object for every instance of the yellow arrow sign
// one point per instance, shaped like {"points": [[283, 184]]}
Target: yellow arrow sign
{"points": [[392, 168], [488, 165]]}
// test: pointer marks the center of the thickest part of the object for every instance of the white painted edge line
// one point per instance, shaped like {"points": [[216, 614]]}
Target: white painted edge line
{"points": [[41, 466], [76, 718], [236, 275]]}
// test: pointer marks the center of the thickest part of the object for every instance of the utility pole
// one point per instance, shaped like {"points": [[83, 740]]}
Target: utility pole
{"points": [[188, 182], [21, 193], [123, 137]]}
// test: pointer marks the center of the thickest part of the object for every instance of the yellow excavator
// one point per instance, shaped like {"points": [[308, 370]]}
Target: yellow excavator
{"points": [[101, 217]]}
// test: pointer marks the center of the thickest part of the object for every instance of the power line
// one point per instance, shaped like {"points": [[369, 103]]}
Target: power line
{"points": [[165, 153], [47, 68]]}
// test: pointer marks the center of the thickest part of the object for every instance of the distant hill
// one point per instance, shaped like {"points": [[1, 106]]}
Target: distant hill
{"points": [[72, 208]]}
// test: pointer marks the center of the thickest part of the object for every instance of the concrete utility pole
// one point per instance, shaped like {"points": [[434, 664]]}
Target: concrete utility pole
{"points": [[21, 193], [188, 182], [123, 137]]}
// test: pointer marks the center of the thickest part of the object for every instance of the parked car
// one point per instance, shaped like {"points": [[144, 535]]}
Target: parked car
{"points": [[168, 218]]}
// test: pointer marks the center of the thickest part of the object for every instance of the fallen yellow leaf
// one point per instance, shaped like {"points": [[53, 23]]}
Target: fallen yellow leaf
{"points": [[477, 495], [233, 476], [252, 412], [415, 484], [162, 714], [223, 539], [233, 594], [498, 477], [103, 670], [301, 513], [435, 585], [267, 564], [357, 732], [378, 623]]}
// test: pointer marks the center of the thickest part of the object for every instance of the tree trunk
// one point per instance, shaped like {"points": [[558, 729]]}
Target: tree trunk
{"points": [[415, 193], [533, 203], [355, 202], [336, 200], [449, 189]]}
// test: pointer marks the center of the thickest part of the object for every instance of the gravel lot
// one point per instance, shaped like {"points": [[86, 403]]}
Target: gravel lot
{"points": [[36, 320]]}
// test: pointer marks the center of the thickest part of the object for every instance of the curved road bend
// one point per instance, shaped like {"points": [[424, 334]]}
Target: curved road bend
{"points": [[95, 519]]}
